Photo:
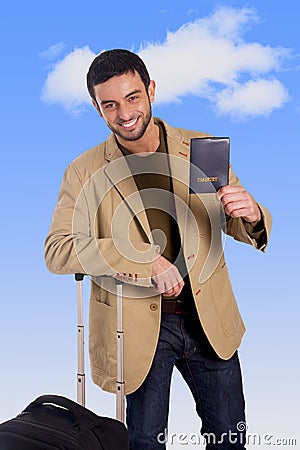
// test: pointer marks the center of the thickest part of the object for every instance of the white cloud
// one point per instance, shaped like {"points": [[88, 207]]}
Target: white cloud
{"points": [[254, 98], [65, 84], [231, 23], [207, 57], [54, 51]]}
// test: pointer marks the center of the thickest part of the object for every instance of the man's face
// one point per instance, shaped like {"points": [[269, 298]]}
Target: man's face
{"points": [[125, 105]]}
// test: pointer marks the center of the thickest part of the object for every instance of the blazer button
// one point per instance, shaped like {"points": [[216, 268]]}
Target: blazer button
{"points": [[154, 307]]}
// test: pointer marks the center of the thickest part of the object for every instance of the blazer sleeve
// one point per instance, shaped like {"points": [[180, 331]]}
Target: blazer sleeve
{"points": [[243, 231], [72, 246]]}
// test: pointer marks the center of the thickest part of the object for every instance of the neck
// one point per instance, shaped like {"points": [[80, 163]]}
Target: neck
{"points": [[148, 143]]}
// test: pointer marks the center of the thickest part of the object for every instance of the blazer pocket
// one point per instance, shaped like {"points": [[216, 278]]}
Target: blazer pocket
{"points": [[102, 337], [224, 301]]}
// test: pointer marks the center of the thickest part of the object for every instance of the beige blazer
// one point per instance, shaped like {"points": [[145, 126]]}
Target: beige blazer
{"points": [[99, 228]]}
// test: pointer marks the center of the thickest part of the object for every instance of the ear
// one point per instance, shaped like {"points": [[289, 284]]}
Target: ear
{"points": [[151, 90], [97, 107]]}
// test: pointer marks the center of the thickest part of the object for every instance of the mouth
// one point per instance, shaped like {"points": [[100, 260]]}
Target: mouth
{"points": [[130, 124]]}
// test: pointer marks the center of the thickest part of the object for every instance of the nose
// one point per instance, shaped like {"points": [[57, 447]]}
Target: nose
{"points": [[124, 112]]}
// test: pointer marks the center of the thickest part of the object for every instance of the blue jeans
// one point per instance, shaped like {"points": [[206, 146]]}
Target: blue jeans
{"points": [[216, 386]]}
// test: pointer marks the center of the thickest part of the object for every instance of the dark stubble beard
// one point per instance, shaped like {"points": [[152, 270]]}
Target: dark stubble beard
{"points": [[135, 137]]}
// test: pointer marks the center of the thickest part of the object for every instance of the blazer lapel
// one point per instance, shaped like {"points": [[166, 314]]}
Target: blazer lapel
{"points": [[179, 152]]}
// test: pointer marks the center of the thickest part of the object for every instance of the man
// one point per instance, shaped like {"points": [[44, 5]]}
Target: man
{"points": [[125, 212]]}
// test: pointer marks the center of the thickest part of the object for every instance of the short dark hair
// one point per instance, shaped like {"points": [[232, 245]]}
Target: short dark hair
{"points": [[113, 63]]}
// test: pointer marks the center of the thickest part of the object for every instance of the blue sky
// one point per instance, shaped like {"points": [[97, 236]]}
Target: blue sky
{"points": [[226, 68]]}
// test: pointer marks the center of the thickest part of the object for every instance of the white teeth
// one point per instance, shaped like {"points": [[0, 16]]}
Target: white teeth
{"points": [[129, 124]]}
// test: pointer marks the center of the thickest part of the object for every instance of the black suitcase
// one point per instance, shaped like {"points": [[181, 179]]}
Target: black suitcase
{"points": [[54, 422]]}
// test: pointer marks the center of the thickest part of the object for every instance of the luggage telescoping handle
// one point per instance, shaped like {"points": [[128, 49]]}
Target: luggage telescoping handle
{"points": [[120, 393], [120, 385], [80, 343]]}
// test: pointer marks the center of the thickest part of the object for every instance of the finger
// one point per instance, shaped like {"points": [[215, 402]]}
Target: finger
{"points": [[171, 283], [164, 284], [178, 291], [173, 288], [236, 197], [242, 212], [159, 286], [225, 190], [235, 206], [178, 288], [169, 293]]}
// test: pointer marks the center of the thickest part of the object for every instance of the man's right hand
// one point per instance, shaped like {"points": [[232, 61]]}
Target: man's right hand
{"points": [[166, 277]]}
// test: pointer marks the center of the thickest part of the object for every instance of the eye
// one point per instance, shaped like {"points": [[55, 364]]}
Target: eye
{"points": [[109, 105], [132, 98]]}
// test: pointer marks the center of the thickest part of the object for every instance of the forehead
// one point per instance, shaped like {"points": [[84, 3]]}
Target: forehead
{"points": [[119, 87]]}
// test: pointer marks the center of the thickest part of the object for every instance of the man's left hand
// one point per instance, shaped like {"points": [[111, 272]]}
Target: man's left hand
{"points": [[237, 202]]}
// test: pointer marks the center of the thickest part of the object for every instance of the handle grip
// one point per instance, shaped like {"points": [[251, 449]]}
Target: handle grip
{"points": [[79, 276]]}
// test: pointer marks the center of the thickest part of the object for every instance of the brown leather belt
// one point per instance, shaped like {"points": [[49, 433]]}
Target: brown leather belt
{"points": [[174, 307]]}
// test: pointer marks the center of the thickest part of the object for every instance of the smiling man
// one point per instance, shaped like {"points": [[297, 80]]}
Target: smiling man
{"points": [[158, 245], [128, 115]]}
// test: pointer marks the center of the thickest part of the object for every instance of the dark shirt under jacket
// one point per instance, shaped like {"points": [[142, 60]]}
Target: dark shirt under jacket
{"points": [[150, 173]]}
